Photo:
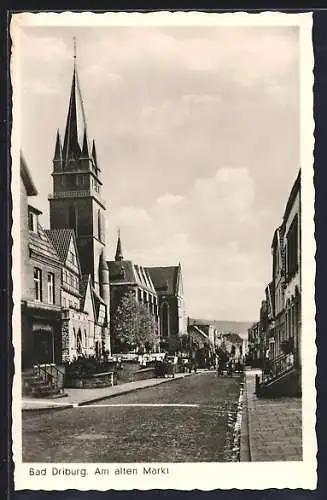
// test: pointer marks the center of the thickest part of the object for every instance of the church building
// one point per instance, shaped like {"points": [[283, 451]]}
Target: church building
{"points": [[77, 216], [168, 283], [126, 277]]}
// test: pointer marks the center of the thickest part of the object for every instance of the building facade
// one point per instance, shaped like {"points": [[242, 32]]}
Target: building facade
{"points": [[280, 320], [292, 251], [40, 284], [77, 327], [278, 276], [254, 345]]}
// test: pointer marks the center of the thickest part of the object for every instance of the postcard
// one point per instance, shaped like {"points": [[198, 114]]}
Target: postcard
{"points": [[163, 251]]}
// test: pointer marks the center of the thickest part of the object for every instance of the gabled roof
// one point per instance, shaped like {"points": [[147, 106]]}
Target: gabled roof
{"points": [[234, 338], [83, 282], [61, 239], [294, 191], [165, 279], [40, 243], [197, 334], [97, 301], [239, 327], [27, 178]]}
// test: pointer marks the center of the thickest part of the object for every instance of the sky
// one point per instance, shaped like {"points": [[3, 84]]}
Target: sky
{"points": [[197, 135]]}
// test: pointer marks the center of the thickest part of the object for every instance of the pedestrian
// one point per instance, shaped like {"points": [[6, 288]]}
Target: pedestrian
{"points": [[217, 365]]}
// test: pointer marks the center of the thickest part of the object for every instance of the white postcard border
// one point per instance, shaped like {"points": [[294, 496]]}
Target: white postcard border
{"points": [[203, 476]]}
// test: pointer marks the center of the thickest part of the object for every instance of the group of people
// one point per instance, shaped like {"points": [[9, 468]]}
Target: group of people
{"points": [[229, 366]]}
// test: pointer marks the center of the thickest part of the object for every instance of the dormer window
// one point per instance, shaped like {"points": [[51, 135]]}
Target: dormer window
{"points": [[33, 215], [122, 273]]}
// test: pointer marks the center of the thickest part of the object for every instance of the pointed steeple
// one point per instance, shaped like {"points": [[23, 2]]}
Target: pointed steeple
{"points": [[71, 149], [58, 149], [94, 153], [85, 149], [119, 252], [76, 122]]}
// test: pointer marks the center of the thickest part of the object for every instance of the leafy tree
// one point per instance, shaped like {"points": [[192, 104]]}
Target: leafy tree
{"points": [[133, 325], [222, 353]]}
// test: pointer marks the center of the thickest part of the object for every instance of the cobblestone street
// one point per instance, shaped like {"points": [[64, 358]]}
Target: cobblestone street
{"points": [[187, 420]]}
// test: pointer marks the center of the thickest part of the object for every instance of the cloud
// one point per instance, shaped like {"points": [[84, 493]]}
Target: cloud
{"points": [[197, 134], [169, 201], [202, 230]]}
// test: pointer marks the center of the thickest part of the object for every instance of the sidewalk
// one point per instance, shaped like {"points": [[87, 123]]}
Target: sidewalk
{"points": [[271, 428], [79, 397]]}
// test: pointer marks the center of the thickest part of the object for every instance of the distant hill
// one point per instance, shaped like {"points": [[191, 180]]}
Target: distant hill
{"points": [[239, 327]]}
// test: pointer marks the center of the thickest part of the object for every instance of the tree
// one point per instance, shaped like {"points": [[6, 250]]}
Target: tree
{"points": [[222, 353], [133, 325]]}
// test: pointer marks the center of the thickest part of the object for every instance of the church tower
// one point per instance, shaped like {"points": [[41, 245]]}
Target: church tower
{"points": [[76, 202]]}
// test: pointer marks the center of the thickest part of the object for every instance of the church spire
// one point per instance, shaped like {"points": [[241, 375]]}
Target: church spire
{"points": [[58, 149], [85, 150], [94, 153], [71, 147], [75, 118], [119, 252]]}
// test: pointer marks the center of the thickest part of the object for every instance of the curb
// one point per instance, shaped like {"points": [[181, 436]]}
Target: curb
{"points": [[101, 398], [245, 449], [48, 408], [126, 391]]}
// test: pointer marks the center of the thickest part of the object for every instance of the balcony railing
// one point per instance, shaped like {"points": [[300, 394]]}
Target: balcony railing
{"points": [[276, 367], [85, 193]]}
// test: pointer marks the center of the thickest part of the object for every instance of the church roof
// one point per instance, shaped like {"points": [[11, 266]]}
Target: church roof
{"points": [[61, 238], [165, 279], [124, 271]]}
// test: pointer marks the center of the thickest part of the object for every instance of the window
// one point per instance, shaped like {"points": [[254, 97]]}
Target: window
{"points": [[292, 249], [38, 284], [50, 288], [32, 222], [71, 257], [99, 225]]}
